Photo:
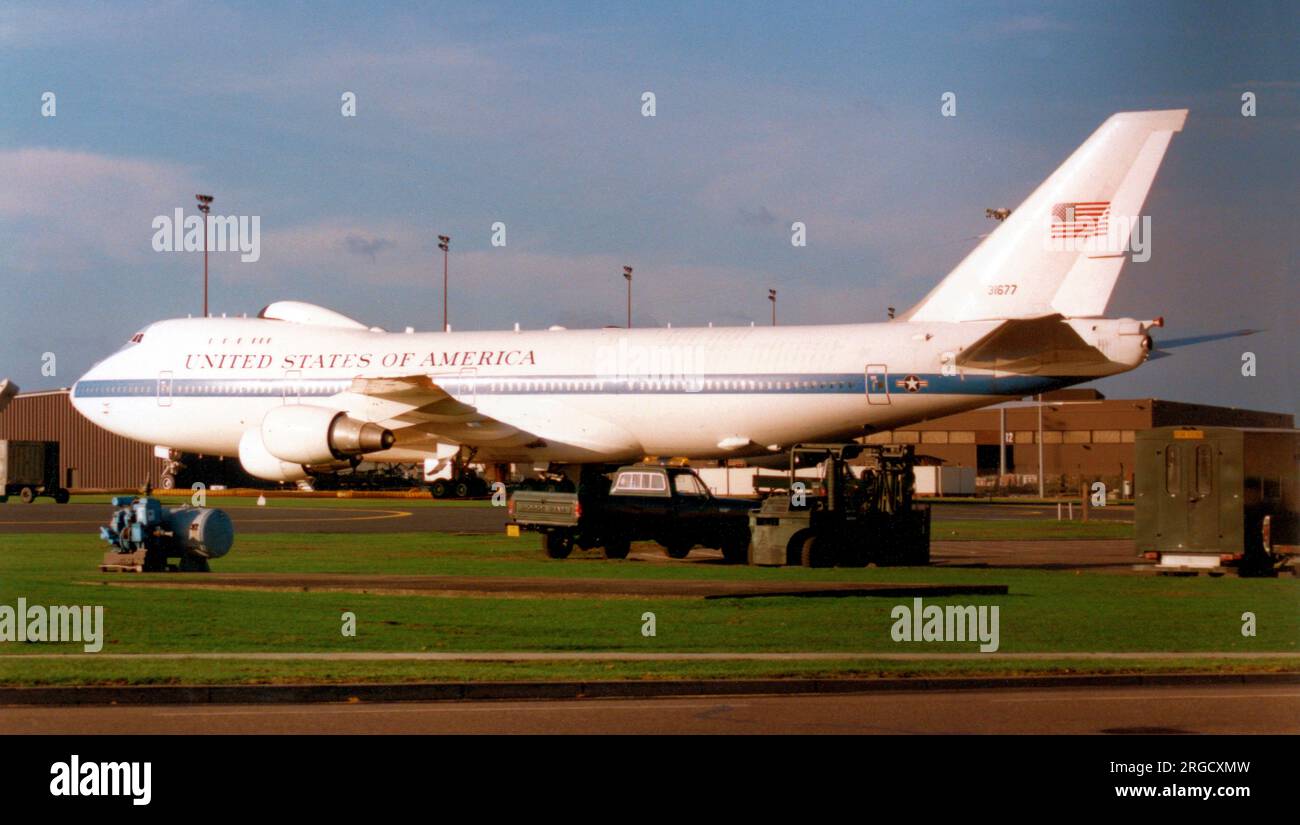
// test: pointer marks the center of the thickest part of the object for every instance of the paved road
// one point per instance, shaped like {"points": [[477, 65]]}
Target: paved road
{"points": [[1236, 709], [390, 516], [387, 516], [434, 585], [980, 512]]}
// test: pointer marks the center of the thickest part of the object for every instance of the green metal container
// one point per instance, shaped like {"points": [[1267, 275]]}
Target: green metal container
{"points": [[1206, 490]]}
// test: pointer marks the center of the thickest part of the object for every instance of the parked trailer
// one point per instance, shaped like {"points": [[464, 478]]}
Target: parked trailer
{"points": [[29, 469], [1211, 499]]}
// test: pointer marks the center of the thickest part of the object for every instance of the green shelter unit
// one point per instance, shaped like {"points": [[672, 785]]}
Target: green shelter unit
{"points": [[1204, 495]]}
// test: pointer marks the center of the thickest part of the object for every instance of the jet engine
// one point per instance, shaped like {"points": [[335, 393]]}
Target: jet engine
{"points": [[310, 435], [293, 438], [261, 464]]}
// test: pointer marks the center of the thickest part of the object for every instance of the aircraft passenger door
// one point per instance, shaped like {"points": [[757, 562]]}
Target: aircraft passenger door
{"points": [[466, 391], [291, 387], [877, 384], [165, 388]]}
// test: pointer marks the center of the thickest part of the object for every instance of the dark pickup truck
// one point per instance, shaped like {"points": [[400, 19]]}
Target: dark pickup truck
{"points": [[640, 502]]}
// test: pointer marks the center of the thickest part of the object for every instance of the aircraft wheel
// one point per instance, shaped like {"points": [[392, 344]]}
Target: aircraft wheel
{"points": [[27, 494], [462, 490], [438, 489], [167, 482]]}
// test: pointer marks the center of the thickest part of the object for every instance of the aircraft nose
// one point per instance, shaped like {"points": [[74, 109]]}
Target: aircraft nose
{"points": [[78, 397], [85, 390]]}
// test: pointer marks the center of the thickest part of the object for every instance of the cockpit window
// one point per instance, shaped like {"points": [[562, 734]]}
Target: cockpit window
{"points": [[132, 341]]}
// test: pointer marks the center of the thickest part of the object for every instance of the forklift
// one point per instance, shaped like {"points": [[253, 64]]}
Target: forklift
{"points": [[840, 518]]}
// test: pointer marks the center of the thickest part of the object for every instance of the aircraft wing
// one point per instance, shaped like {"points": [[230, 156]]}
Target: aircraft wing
{"points": [[448, 407], [403, 394], [415, 407]]}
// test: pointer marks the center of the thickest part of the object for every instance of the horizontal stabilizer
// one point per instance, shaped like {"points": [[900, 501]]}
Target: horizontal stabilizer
{"points": [[1173, 343], [1027, 345], [1160, 349]]}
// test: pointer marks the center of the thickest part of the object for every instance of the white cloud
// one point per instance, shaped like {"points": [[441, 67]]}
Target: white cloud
{"points": [[1021, 24], [76, 209]]}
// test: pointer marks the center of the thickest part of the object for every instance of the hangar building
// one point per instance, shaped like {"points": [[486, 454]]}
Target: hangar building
{"points": [[90, 457], [1084, 436]]}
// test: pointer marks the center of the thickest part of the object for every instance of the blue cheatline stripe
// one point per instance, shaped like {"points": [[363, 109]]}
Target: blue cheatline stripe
{"points": [[899, 384]]}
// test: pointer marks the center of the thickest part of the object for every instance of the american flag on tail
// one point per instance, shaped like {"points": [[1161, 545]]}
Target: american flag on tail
{"points": [[1080, 220]]}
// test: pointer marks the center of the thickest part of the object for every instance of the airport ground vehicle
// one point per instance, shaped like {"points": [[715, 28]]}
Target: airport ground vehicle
{"points": [[29, 469], [665, 503], [1204, 495], [842, 518]]}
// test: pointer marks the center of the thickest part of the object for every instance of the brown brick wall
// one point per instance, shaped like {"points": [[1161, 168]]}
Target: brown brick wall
{"points": [[100, 458]]}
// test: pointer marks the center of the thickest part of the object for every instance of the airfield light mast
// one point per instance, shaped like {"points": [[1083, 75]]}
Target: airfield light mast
{"points": [[1041, 480], [205, 203], [444, 243], [627, 273]]}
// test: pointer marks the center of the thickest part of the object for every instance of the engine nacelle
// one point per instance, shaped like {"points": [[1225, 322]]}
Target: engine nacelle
{"points": [[304, 434], [259, 462]]}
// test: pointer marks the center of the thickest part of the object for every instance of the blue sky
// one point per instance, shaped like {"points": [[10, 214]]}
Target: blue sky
{"points": [[529, 114]]}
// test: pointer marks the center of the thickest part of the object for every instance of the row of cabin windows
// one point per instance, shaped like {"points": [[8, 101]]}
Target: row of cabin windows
{"points": [[684, 385], [1013, 437], [266, 388], [273, 387]]}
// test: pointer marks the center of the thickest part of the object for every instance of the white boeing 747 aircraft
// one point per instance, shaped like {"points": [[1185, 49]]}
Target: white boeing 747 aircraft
{"points": [[300, 387]]}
